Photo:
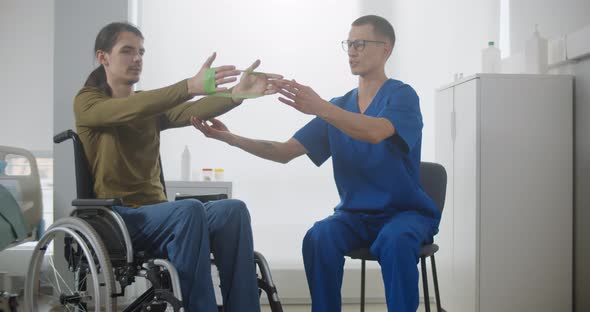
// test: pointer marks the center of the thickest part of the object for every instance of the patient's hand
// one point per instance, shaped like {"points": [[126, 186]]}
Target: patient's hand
{"points": [[223, 75], [253, 82], [216, 130]]}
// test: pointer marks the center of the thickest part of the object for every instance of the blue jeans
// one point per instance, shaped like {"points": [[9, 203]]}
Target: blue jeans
{"points": [[185, 232], [394, 240]]}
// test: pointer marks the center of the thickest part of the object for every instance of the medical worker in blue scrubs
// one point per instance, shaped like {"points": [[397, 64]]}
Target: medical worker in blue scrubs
{"points": [[373, 134]]}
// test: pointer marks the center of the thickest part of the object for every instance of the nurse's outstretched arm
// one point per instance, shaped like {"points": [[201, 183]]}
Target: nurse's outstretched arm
{"points": [[281, 152]]}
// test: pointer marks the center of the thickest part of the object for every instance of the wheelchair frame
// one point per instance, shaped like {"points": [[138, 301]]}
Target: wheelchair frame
{"points": [[97, 242]]}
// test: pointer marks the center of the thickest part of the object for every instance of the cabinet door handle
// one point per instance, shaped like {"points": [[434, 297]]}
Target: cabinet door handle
{"points": [[453, 126]]}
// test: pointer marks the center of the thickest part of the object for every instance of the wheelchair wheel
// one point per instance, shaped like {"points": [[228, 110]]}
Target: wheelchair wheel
{"points": [[77, 278]]}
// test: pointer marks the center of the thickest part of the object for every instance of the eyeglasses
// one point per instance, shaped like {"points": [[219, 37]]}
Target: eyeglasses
{"points": [[358, 44]]}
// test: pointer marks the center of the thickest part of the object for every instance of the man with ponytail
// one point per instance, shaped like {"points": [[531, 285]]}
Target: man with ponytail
{"points": [[120, 131]]}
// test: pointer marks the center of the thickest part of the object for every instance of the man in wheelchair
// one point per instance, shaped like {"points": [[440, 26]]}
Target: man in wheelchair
{"points": [[120, 131]]}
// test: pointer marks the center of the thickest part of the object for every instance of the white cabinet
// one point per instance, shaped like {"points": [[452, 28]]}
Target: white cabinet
{"points": [[506, 142], [197, 188]]}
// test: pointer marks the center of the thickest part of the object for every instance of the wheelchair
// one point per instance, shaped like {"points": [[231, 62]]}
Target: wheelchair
{"points": [[100, 262]]}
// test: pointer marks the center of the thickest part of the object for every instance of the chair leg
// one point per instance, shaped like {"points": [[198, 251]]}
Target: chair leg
{"points": [[363, 285], [435, 280], [425, 284]]}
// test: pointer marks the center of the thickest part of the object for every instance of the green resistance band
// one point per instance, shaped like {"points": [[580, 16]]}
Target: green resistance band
{"points": [[209, 86]]}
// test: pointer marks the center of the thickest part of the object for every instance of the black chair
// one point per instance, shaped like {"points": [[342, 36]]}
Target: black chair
{"points": [[116, 248], [433, 178]]}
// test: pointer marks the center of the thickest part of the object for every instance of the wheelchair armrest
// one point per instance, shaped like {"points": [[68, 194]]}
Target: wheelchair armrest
{"points": [[93, 202], [201, 198]]}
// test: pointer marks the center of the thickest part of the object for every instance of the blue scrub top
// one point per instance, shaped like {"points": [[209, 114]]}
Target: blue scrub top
{"points": [[375, 178]]}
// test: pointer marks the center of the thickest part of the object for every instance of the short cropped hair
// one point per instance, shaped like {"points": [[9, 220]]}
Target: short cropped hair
{"points": [[380, 25]]}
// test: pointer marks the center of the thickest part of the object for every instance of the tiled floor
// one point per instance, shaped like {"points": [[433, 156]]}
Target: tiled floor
{"points": [[307, 308], [371, 307], [345, 308]]}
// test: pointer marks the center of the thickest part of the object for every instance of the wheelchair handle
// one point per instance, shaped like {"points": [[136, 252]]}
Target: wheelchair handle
{"points": [[62, 136]]}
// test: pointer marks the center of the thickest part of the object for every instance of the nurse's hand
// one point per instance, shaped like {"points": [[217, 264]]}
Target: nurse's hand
{"points": [[216, 130], [301, 97]]}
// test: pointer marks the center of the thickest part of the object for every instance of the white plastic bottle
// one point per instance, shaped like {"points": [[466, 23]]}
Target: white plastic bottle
{"points": [[490, 59], [535, 54], [185, 165]]}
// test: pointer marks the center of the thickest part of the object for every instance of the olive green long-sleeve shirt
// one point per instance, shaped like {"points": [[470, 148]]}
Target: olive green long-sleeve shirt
{"points": [[121, 137]]}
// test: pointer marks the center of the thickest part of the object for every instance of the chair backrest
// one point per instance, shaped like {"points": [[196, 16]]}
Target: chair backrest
{"points": [[433, 178], [84, 179]]}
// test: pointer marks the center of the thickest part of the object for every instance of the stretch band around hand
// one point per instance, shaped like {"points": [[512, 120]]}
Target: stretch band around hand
{"points": [[209, 86], [209, 81]]}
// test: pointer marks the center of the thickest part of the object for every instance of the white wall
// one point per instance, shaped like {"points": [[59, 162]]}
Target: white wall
{"points": [[26, 75], [26, 85], [303, 44], [435, 40], [40, 44], [555, 19], [299, 39]]}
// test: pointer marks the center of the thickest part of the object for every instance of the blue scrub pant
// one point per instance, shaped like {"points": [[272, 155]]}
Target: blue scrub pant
{"points": [[185, 232], [394, 240]]}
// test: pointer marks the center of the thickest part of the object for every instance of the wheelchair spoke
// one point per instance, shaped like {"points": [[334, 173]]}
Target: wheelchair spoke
{"points": [[51, 300], [81, 307], [69, 282], [84, 279], [48, 281], [74, 277], [56, 273]]}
